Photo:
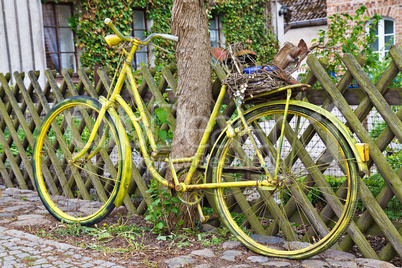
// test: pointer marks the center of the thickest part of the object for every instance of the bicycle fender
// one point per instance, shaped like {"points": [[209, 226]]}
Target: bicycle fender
{"points": [[126, 163], [360, 159], [350, 139]]}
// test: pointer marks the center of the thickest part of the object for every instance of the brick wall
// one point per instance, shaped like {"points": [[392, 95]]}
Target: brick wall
{"points": [[385, 8]]}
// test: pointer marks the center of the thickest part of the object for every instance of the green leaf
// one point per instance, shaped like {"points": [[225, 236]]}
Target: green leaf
{"points": [[162, 134], [161, 237], [159, 225], [162, 114], [166, 202]]}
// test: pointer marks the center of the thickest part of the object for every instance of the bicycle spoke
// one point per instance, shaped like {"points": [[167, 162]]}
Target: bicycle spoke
{"points": [[299, 210], [81, 189]]}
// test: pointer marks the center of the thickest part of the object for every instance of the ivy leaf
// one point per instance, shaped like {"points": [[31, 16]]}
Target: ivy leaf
{"points": [[162, 134], [162, 114]]}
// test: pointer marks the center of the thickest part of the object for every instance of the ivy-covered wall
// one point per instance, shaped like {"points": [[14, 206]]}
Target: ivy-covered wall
{"points": [[243, 21]]}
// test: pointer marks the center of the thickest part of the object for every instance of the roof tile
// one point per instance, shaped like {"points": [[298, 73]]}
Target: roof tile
{"points": [[306, 9]]}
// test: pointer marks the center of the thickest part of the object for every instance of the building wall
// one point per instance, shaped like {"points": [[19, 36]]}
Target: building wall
{"points": [[306, 33], [385, 8], [277, 22], [21, 36]]}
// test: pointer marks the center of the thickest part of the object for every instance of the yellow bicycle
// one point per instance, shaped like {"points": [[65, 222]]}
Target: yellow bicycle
{"points": [[283, 174]]}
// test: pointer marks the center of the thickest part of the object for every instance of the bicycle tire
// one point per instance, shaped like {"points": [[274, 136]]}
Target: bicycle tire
{"points": [[303, 216], [84, 191]]}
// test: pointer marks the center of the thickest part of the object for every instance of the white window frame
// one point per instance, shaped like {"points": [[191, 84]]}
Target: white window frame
{"points": [[218, 30], [58, 43], [382, 51], [145, 49]]}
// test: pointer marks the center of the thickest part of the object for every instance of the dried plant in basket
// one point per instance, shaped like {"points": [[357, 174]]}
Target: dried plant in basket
{"points": [[245, 79]]}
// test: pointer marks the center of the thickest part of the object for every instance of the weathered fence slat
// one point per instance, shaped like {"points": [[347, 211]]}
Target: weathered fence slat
{"points": [[158, 95], [169, 77], [12, 130], [375, 96], [383, 166], [366, 220], [353, 231]]}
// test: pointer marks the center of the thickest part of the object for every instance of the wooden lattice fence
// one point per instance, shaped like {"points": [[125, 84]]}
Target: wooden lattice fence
{"points": [[22, 108]]}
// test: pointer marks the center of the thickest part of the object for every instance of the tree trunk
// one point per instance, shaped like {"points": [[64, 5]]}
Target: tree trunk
{"points": [[190, 24]]}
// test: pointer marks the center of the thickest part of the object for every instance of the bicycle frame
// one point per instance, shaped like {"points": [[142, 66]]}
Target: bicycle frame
{"points": [[115, 97]]}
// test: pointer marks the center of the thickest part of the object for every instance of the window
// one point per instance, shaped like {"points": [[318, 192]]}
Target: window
{"points": [[214, 31], [59, 39], [139, 27], [385, 31]]}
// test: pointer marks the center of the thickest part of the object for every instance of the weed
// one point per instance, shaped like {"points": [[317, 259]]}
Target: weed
{"points": [[44, 234], [29, 260], [207, 239], [163, 205], [149, 263], [74, 230]]}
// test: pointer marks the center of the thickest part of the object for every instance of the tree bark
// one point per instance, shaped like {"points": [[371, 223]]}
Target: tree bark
{"points": [[190, 24]]}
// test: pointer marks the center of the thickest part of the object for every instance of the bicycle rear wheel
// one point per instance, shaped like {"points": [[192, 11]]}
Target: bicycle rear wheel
{"points": [[83, 191], [316, 193]]}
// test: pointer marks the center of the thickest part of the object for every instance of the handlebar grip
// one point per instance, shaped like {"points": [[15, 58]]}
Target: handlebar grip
{"points": [[109, 23], [170, 37]]}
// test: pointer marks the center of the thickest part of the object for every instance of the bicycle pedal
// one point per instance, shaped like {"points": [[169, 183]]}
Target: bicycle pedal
{"points": [[160, 153]]}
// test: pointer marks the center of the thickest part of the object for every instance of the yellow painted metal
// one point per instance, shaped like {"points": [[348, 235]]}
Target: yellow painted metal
{"points": [[126, 166], [266, 185], [142, 142], [258, 153], [363, 149], [285, 114], [205, 137], [265, 94], [103, 101], [101, 143], [345, 130], [260, 183], [91, 138], [342, 128], [174, 175], [230, 132], [199, 208], [113, 39], [141, 109], [182, 160]]}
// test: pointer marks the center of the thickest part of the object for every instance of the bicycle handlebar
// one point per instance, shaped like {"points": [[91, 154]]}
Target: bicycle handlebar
{"points": [[109, 23]]}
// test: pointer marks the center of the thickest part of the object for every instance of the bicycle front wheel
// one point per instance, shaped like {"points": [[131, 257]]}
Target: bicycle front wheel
{"points": [[83, 190], [316, 189]]}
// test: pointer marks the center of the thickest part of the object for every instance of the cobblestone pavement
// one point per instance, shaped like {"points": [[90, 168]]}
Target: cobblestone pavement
{"points": [[20, 249]]}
